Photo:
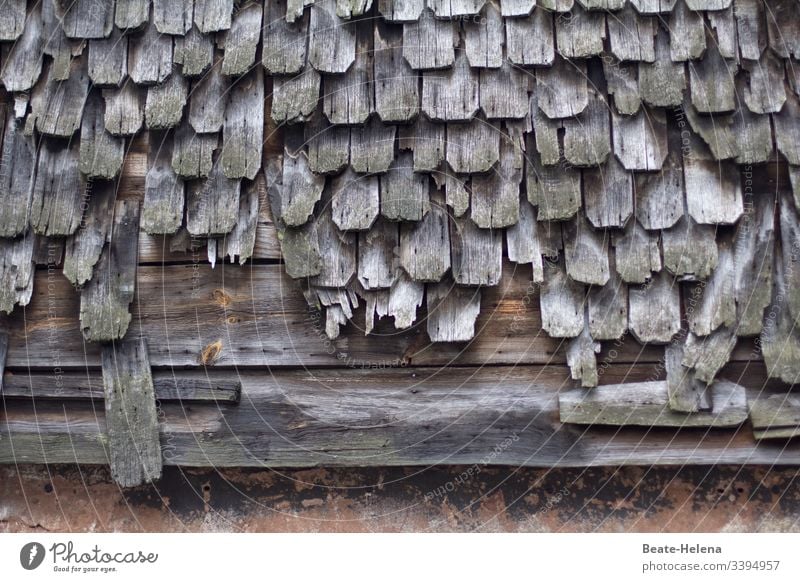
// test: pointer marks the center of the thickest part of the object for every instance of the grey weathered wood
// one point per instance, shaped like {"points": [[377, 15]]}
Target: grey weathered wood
{"points": [[428, 43], [586, 251], [17, 171], [562, 302], [631, 36], [192, 153], [455, 8], [647, 404], [213, 15], [659, 196], [715, 130], [516, 7], [531, 41], [713, 191], [3, 353], [425, 244], [751, 27], [708, 4], [655, 309], [108, 60], [396, 83], [555, 190], [16, 271], [711, 304], [132, 13], [131, 415], [787, 129], [504, 92], [376, 255], [404, 193], [582, 359], [12, 20], [172, 16], [58, 108], [608, 309], [687, 34], [587, 136], [712, 83], [338, 253], [752, 133], [640, 141], [608, 194], [662, 82], [101, 154], [21, 64], [765, 91], [212, 204], [483, 39], [331, 40], [242, 39], [401, 10], [522, 240], [372, 147], [348, 99], [405, 296], [790, 242], [452, 311], [243, 129], [149, 56], [545, 138], [56, 43], [783, 27], [58, 189], [164, 190], [194, 52], [427, 141], [690, 249], [86, 18], [562, 88], [295, 98], [707, 355], [82, 250], [476, 253], [207, 101], [456, 193], [686, 394], [622, 81], [164, 105], [124, 113], [636, 252], [301, 190], [355, 200], [350, 8], [240, 243], [328, 145], [451, 95], [780, 339], [723, 22], [472, 148], [775, 416], [495, 196], [580, 33], [556, 5], [284, 43], [107, 296]]}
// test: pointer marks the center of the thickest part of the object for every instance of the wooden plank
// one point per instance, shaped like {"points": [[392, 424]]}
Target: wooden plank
{"points": [[131, 415], [243, 129], [775, 411], [82, 249]]}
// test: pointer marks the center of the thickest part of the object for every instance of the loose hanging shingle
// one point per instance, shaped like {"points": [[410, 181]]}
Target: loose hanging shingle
{"points": [[22, 64], [107, 296], [86, 18], [149, 56], [242, 39], [637, 254], [522, 240], [302, 188], [495, 196], [787, 129], [57, 109], [377, 256], [372, 147], [687, 34], [328, 145], [587, 137], [655, 309], [780, 338], [751, 26], [192, 152], [455, 8], [608, 194], [452, 312], [164, 105], [163, 190], [396, 83], [425, 244], [518, 7], [405, 297], [711, 304], [82, 250], [295, 98], [783, 27], [124, 113], [58, 189], [108, 60], [172, 16], [101, 154], [16, 271], [428, 43], [686, 394], [484, 39], [562, 89], [580, 33], [243, 130], [427, 141], [332, 41], [708, 355], [790, 242], [504, 92], [586, 251], [207, 102], [622, 80], [582, 359], [531, 41], [337, 250], [753, 250], [17, 171], [283, 47], [355, 200], [608, 309], [212, 204], [690, 249], [401, 10], [477, 253], [662, 82], [212, 15], [561, 301], [194, 52], [456, 192], [451, 95], [712, 83], [472, 148], [631, 35], [555, 190], [765, 91], [640, 141], [348, 98], [404, 192], [713, 191], [12, 20]]}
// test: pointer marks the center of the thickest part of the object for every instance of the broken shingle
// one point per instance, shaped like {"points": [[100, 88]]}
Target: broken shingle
{"points": [[355, 200], [172, 16], [477, 253], [16, 271], [283, 46], [149, 56], [124, 112], [530, 41], [404, 193], [396, 83], [337, 251], [622, 80], [587, 137], [163, 190], [580, 33], [212, 204], [164, 105], [241, 40], [101, 154], [582, 359], [58, 109], [108, 60], [608, 194], [22, 64], [631, 36], [711, 304], [194, 52], [451, 95], [86, 18], [348, 98], [522, 240], [472, 148], [328, 145], [483, 39], [295, 98], [376, 254], [17, 171], [495, 196], [504, 92], [636, 253], [82, 250], [372, 147], [207, 101], [608, 309], [787, 129], [655, 309], [425, 244], [562, 89], [640, 141], [662, 82], [452, 312], [58, 189], [332, 41], [586, 251], [243, 129], [561, 302], [192, 152], [213, 15], [751, 28], [690, 249]]}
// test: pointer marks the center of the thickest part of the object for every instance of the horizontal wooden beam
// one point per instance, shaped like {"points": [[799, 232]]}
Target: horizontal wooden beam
{"points": [[506, 415]]}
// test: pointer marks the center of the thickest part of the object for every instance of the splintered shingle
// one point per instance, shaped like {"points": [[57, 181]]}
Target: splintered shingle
{"points": [[405, 297], [751, 28], [477, 253], [347, 99], [622, 80], [456, 193], [608, 194], [555, 190], [355, 200], [687, 34], [124, 113], [427, 141], [562, 89], [452, 311], [16, 271], [396, 83], [715, 130], [582, 359], [283, 47], [401, 10], [108, 60], [22, 64], [655, 309], [149, 56], [243, 130], [483, 39], [531, 41], [194, 52], [765, 91], [723, 24], [522, 240], [561, 301], [640, 141], [631, 35], [504, 92], [86, 18], [302, 188], [131, 13], [57, 45], [12, 19], [686, 394], [712, 83], [164, 105], [428, 43], [212, 15], [372, 146], [451, 95], [636, 252], [783, 27], [404, 192], [58, 109], [295, 98], [376, 255], [332, 41], [101, 154], [163, 191], [328, 145], [690, 249], [455, 8], [58, 189], [586, 251], [82, 250], [608, 309], [17, 171], [192, 152], [495, 195], [580, 33], [662, 82], [172, 16], [425, 244], [337, 251], [207, 102], [587, 137], [472, 148], [212, 204], [242, 39]]}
